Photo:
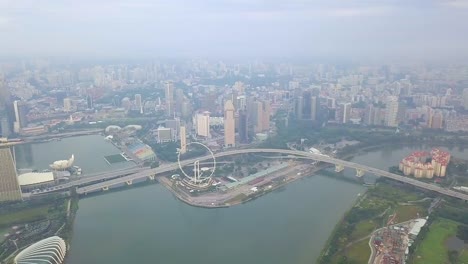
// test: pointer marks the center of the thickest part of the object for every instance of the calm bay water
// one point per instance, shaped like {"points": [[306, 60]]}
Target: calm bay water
{"points": [[149, 225], [89, 154]]}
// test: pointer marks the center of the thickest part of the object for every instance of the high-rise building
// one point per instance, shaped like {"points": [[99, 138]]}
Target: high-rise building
{"points": [[465, 98], [174, 125], [9, 186], [229, 125], [306, 106], [179, 100], [391, 111], [259, 115], [266, 112], [67, 105], [5, 126], [369, 115], [138, 103], [298, 107], [243, 127], [90, 101], [169, 93], [203, 124], [4, 94], [183, 140], [186, 110], [164, 134], [436, 120], [21, 110], [343, 113]]}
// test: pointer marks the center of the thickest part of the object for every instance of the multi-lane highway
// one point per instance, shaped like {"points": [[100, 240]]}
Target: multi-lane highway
{"points": [[119, 177]]}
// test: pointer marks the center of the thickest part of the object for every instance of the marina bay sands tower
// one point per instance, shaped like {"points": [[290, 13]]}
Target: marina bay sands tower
{"points": [[9, 186]]}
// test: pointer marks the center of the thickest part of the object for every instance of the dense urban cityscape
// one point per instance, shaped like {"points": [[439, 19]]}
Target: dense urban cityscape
{"points": [[233, 131]]}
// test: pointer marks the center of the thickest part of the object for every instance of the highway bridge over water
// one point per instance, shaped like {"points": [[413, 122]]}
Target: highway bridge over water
{"points": [[128, 176]]}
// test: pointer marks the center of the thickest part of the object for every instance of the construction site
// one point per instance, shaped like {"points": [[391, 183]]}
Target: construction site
{"points": [[390, 244]]}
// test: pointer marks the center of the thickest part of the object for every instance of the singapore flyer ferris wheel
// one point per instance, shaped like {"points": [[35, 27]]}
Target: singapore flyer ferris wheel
{"points": [[202, 173]]}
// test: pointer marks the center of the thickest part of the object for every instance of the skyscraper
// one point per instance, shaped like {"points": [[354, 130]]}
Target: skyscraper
{"points": [[229, 125], [90, 101], [9, 186], [391, 111], [306, 106], [183, 140], [67, 105], [369, 115], [465, 98], [266, 112], [169, 93], [4, 95], [21, 110], [203, 124], [138, 103], [179, 100], [5, 126], [343, 113], [243, 131]]}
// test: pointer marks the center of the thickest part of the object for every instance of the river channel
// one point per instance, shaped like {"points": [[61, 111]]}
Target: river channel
{"points": [[149, 225]]}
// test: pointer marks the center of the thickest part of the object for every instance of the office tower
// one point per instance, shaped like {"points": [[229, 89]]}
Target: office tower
{"points": [[5, 126], [465, 98], [391, 111], [186, 110], [138, 103], [9, 186], [164, 134], [257, 117], [229, 126], [306, 106], [67, 105], [266, 112], [4, 94], [243, 127], [183, 140], [174, 125], [90, 101], [203, 124], [313, 108], [241, 102], [369, 115], [21, 110], [298, 107], [343, 113], [436, 120], [169, 93], [179, 100]]}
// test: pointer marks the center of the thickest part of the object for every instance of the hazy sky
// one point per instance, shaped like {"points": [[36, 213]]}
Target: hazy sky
{"points": [[287, 28]]}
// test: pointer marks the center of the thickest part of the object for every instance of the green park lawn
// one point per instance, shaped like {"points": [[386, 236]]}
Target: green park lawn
{"points": [[432, 249], [357, 253], [362, 229], [23, 216], [408, 212]]}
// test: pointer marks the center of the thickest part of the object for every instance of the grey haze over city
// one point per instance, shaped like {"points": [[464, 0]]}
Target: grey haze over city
{"points": [[357, 29]]}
